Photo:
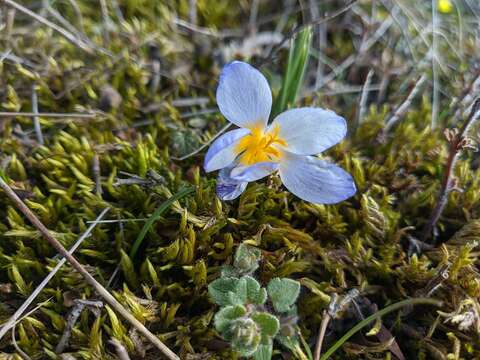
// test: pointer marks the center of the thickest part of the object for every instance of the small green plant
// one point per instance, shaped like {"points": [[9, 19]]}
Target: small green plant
{"points": [[251, 316]]}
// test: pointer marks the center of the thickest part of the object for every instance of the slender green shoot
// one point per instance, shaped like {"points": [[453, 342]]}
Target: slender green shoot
{"points": [[297, 63], [155, 216], [373, 317]]}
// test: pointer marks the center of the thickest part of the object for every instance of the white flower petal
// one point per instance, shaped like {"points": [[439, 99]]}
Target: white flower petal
{"points": [[228, 188], [253, 172], [244, 96], [310, 131], [315, 180], [222, 152]]}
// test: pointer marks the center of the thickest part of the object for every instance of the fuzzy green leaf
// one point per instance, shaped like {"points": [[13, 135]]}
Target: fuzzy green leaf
{"points": [[245, 336], [247, 258], [268, 323], [223, 319], [229, 271], [283, 293], [264, 352], [223, 291], [249, 291]]}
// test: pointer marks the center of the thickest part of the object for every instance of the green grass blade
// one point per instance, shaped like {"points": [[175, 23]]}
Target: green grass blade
{"points": [[3, 176], [373, 317], [297, 63], [155, 216]]}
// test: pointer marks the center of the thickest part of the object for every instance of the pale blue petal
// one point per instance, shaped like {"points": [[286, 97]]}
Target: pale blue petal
{"points": [[315, 180], [244, 96], [310, 131], [228, 188], [253, 172], [221, 153]]}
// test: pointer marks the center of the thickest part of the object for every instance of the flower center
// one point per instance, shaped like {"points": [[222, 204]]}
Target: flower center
{"points": [[259, 146]]}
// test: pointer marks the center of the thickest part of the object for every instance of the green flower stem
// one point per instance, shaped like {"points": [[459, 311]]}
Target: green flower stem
{"points": [[155, 216], [373, 317]]}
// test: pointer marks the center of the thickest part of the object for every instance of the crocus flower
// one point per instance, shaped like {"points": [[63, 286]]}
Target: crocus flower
{"points": [[257, 149]]}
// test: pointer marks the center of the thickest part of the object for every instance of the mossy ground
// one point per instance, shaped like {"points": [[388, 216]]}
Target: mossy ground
{"points": [[160, 69]]}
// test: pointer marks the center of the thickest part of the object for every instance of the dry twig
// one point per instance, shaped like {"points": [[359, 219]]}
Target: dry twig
{"points": [[458, 142], [20, 205], [13, 319], [321, 334]]}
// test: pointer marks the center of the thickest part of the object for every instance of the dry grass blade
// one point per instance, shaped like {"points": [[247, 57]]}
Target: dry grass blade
{"points": [[68, 35], [36, 121], [196, 151], [402, 109], [52, 115]]}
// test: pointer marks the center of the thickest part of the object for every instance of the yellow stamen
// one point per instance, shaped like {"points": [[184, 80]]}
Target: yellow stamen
{"points": [[259, 146]]}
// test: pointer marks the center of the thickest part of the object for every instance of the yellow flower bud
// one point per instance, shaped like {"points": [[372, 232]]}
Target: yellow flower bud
{"points": [[445, 6]]}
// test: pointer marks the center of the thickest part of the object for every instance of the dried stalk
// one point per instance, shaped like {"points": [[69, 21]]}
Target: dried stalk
{"points": [[364, 96], [458, 142], [321, 334], [86, 275]]}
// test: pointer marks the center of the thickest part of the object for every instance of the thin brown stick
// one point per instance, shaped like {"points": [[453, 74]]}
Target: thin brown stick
{"points": [[13, 319], [321, 334], [20, 205], [457, 144]]}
